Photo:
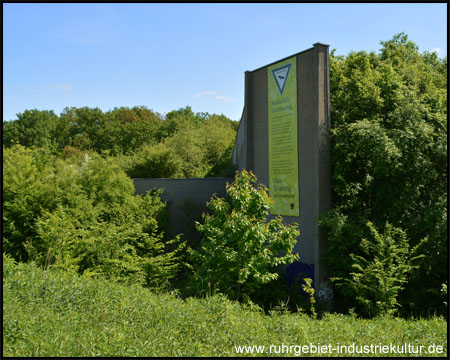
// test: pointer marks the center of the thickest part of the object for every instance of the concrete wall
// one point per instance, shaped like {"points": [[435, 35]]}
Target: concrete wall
{"points": [[239, 155], [313, 124], [177, 191]]}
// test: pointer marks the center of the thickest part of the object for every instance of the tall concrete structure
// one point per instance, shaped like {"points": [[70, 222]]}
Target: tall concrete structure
{"points": [[251, 151]]}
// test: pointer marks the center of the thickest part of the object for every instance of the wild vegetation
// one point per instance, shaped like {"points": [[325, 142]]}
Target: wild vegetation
{"points": [[55, 313], [81, 237], [389, 175], [239, 242], [144, 143], [81, 214]]}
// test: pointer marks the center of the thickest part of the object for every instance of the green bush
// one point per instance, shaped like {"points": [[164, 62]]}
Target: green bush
{"points": [[126, 130], [153, 161], [240, 250], [380, 274], [24, 197], [82, 214]]}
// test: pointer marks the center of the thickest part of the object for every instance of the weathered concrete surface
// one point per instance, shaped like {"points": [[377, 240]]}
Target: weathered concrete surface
{"points": [[313, 116], [186, 198]]}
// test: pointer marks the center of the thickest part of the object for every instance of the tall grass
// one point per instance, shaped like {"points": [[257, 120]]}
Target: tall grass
{"points": [[53, 313]]}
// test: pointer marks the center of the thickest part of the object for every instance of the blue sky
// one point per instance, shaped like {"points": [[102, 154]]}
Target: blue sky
{"points": [[167, 56]]}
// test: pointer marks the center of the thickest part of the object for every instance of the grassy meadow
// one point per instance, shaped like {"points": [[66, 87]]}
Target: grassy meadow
{"points": [[55, 313]]}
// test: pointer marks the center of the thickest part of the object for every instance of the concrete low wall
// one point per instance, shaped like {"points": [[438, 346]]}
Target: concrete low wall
{"points": [[186, 198]]}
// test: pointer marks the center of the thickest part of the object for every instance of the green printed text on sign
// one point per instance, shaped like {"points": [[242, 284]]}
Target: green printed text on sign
{"points": [[283, 155]]}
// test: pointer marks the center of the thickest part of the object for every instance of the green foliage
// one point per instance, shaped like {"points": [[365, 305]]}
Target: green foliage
{"points": [[9, 266], [23, 199], [57, 314], [158, 161], [119, 131], [188, 145], [40, 128], [205, 146], [183, 144], [192, 145], [128, 129], [224, 165], [82, 214], [382, 271], [389, 162], [237, 241], [122, 252], [176, 120], [309, 290]]}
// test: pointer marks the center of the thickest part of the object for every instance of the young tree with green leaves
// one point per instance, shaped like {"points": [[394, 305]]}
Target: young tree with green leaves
{"points": [[382, 271], [240, 249]]}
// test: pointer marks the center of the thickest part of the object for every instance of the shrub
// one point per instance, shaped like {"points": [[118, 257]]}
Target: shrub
{"points": [[187, 144], [124, 252], [24, 197], [240, 249], [82, 214], [153, 161], [382, 271]]}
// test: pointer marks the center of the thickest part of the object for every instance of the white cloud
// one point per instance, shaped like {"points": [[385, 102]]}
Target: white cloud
{"points": [[217, 96], [204, 93], [437, 50], [63, 87]]}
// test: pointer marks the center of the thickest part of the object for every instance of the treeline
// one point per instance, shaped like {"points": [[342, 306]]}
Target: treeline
{"points": [[146, 144]]}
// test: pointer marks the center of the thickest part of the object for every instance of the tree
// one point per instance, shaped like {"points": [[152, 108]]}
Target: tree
{"points": [[389, 161], [240, 250], [38, 128], [158, 161], [126, 130]]}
